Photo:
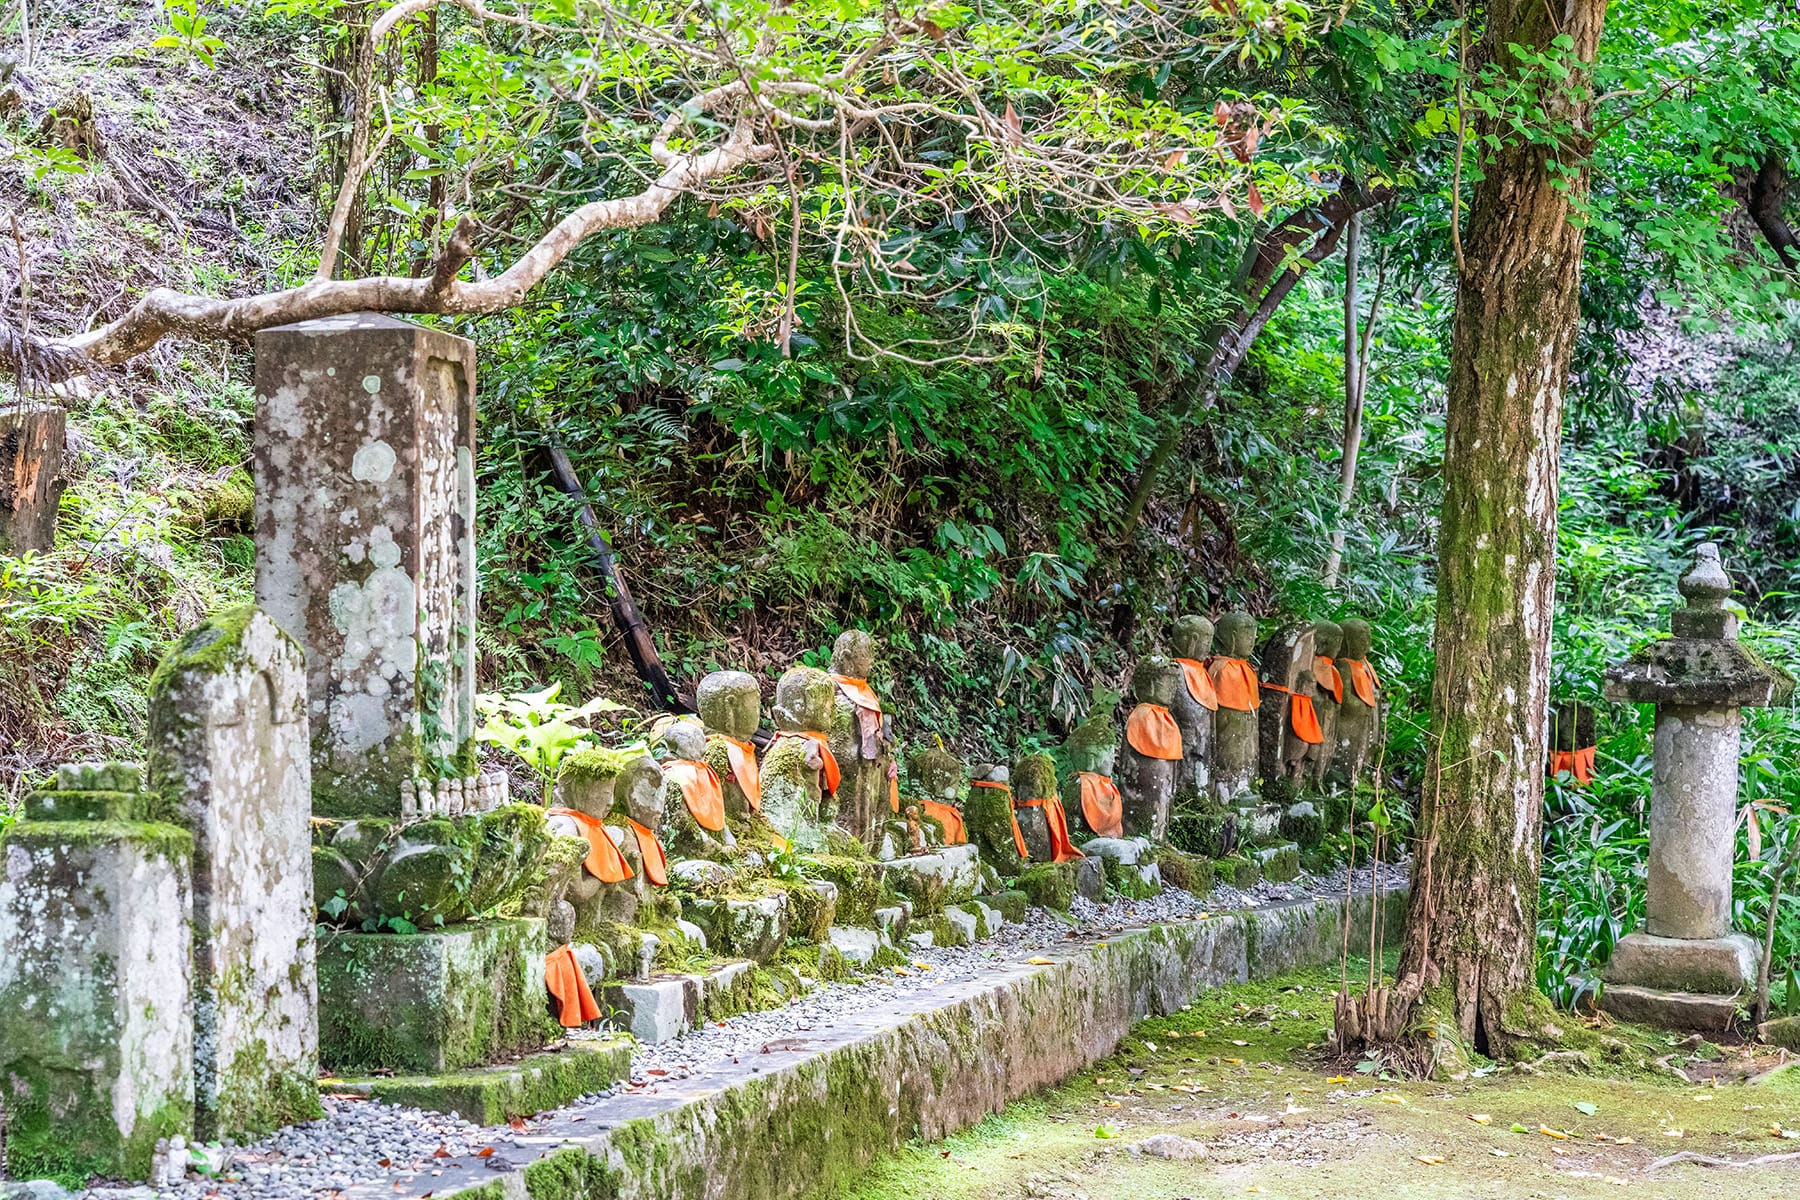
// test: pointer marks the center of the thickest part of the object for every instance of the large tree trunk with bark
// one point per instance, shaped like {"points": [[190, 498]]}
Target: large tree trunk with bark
{"points": [[1471, 939]]}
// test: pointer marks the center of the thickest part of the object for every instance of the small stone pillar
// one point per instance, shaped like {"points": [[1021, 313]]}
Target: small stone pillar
{"points": [[1191, 638], [228, 755], [31, 476], [96, 1016], [1034, 785], [365, 505], [1686, 969]]}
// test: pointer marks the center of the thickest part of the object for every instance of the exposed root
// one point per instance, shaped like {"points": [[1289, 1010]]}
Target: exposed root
{"points": [[1707, 1160]]}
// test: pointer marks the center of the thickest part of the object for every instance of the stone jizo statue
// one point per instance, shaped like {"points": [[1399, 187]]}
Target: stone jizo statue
{"points": [[730, 705], [1152, 752], [1194, 704], [1288, 718], [693, 815], [1236, 724], [1091, 795], [1359, 716], [1328, 695], [859, 737], [800, 774], [612, 800]]}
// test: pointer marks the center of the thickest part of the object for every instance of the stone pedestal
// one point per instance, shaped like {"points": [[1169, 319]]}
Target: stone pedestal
{"points": [[365, 493], [31, 476], [1686, 968]]}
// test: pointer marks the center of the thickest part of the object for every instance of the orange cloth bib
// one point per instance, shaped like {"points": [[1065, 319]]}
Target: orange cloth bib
{"points": [[1579, 763], [1018, 834], [700, 788], [859, 691], [604, 862], [950, 819], [832, 773], [1101, 806], [1325, 674], [564, 981], [1303, 718], [1199, 684], [894, 792], [744, 771], [1062, 849], [1235, 682], [1152, 732], [656, 863], [1362, 678]]}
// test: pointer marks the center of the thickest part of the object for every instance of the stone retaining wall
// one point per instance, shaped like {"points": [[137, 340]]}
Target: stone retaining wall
{"points": [[823, 1108]]}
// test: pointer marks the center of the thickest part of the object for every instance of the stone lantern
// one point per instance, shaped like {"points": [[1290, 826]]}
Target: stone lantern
{"points": [[1686, 968]]}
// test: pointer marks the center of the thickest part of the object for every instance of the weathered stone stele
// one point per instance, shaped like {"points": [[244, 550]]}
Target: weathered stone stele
{"points": [[1286, 659], [1685, 967], [794, 799], [730, 705], [1358, 725], [31, 476], [860, 741], [1192, 637], [1328, 639], [229, 758], [96, 1023], [1147, 785], [1236, 736], [365, 492]]}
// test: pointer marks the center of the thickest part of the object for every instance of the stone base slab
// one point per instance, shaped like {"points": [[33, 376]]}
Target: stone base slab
{"points": [[1720, 966], [809, 1119], [1711, 1015], [493, 1095]]}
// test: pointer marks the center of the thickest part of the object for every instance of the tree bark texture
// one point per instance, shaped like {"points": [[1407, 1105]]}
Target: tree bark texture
{"points": [[1471, 929]]}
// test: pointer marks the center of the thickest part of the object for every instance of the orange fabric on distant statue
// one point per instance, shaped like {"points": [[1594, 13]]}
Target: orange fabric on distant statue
{"points": [[604, 862], [859, 691], [1152, 732], [699, 785], [832, 772], [1303, 718], [1101, 806], [894, 792], [564, 981], [1362, 678], [744, 771], [1235, 682], [950, 819], [1199, 684], [1018, 834], [1325, 674], [1579, 763], [656, 863], [1062, 848]]}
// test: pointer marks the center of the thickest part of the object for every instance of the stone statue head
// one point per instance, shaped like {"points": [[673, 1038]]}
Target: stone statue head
{"points": [[1328, 636], [684, 737], [1034, 777], [1192, 637], [803, 697], [1237, 634], [1093, 745], [853, 654], [936, 772], [640, 790], [1358, 637], [1155, 680], [730, 702]]}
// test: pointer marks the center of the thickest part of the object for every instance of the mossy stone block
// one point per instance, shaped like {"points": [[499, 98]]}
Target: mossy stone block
{"points": [[1012, 904], [1191, 873], [987, 817], [59, 805], [1240, 872], [1280, 864], [493, 1095], [1049, 885], [432, 1001]]}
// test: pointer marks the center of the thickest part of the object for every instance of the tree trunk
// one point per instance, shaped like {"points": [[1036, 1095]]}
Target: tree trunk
{"points": [[1767, 203], [1352, 400], [1471, 935]]}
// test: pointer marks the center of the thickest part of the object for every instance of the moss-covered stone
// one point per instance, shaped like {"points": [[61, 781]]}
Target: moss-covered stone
{"points": [[1280, 864], [1207, 831], [1129, 881], [1303, 824], [1239, 871], [987, 816], [492, 1095], [595, 762], [858, 883], [61, 805], [1012, 904], [937, 773], [1190, 872], [1049, 885]]}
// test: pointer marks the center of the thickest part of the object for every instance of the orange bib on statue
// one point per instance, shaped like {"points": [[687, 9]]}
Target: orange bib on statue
{"points": [[1152, 732], [1362, 678], [563, 980], [1303, 719], [1325, 674], [700, 788], [603, 862], [1199, 684], [1018, 834], [832, 773], [859, 691], [1101, 806], [1235, 682], [947, 816], [744, 771], [1062, 847], [656, 863]]}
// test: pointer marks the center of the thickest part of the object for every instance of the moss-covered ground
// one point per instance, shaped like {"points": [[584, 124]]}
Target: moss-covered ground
{"points": [[1243, 1071]]}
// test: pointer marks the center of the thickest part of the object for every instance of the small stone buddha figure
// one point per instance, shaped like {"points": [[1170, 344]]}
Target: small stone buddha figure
{"points": [[1236, 723], [937, 778], [730, 705], [988, 816], [1038, 809], [860, 738], [1090, 797], [1328, 694], [1195, 703], [612, 800], [1150, 758], [1287, 715], [693, 811], [799, 772], [1359, 717]]}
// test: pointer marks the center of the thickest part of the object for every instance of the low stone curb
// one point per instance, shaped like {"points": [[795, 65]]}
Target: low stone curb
{"points": [[492, 1095], [814, 1110]]}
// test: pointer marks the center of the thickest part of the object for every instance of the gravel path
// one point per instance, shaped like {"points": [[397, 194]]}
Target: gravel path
{"points": [[362, 1141]]}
